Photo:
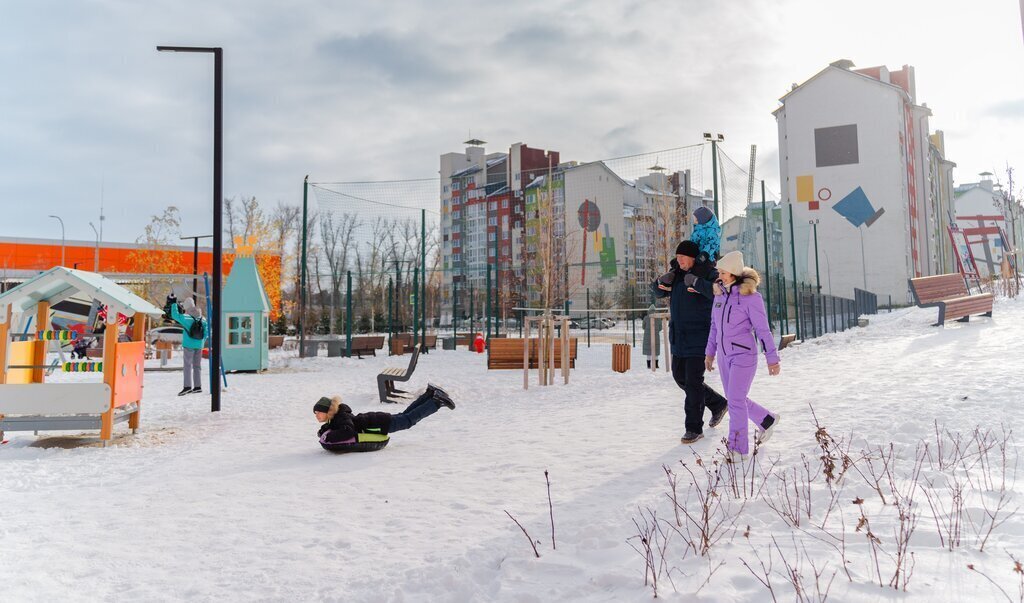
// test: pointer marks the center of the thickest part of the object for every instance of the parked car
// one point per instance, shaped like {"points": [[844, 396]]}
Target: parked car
{"points": [[169, 333], [597, 323]]}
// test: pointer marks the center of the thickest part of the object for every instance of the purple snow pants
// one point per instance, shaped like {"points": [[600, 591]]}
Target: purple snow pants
{"points": [[737, 376]]}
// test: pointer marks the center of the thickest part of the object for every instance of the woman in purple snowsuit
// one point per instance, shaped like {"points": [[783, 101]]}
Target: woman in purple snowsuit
{"points": [[739, 325]]}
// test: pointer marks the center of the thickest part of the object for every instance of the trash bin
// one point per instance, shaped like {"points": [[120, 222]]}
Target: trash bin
{"points": [[335, 347], [448, 343], [621, 353], [397, 347]]}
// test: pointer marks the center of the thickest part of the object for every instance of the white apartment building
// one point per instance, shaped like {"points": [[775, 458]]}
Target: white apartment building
{"points": [[855, 159]]}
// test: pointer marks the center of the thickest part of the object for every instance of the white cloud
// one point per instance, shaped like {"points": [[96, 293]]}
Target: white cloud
{"points": [[355, 90]]}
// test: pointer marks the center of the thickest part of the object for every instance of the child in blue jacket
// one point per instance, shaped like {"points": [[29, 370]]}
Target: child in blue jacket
{"points": [[707, 232]]}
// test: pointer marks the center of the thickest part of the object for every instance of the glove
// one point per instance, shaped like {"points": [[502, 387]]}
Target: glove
{"points": [[667, 279], [690, 279], [171, 299]]}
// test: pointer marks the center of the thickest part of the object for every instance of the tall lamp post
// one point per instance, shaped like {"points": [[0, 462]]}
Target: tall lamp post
{"points": [[817, 270], [61, 238], [717, 138], [96, 253], [218, 229]]}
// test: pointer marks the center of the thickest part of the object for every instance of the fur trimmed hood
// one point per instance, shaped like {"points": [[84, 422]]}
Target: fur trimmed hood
{"points": [[748, 282]]}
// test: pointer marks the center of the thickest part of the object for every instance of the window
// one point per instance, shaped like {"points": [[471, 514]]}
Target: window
{"points": [[493, 205], [492, 221], [491, 236], [240, 327], [504, 204], [504, 235]]}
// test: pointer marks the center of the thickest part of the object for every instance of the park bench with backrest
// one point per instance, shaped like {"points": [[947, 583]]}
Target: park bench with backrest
{"points": [[507, 353], [428, 342], [367, 344], [386, 389], [949, 293]]}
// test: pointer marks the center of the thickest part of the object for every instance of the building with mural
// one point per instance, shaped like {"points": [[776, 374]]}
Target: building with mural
{"points": [[854, 155]]}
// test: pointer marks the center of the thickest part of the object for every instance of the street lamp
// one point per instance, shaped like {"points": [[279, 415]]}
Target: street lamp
{"points": [[96, 254], [218, 229], [61, 238], [717, 138], [817, 270]]}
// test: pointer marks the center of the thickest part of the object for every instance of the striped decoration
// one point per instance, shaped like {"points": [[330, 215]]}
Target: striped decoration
{"points": [[82, 367], [57, 335]]}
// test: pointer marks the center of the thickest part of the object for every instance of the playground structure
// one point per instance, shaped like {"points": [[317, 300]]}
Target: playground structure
{"points": [[27, 402], [246, 313], [546, 360]]}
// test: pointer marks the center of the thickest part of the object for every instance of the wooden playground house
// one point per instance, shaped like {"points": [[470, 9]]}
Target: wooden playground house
{"points": [[246, 314], [27, 402]]}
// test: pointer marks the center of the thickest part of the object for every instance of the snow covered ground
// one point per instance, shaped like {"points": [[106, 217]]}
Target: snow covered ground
{"points": [[244, 504]]}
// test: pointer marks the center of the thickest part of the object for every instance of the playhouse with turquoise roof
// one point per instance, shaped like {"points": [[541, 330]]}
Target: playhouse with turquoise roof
{"points": [[246, 314]]}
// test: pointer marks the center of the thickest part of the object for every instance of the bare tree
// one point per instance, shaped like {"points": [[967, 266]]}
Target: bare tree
{"points": [[336, 235]]}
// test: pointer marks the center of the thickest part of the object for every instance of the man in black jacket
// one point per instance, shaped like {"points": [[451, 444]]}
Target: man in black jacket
{"points": [[690, 286]]}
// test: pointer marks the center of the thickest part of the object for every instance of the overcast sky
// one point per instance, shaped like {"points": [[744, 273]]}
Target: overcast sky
{"points": [[377, 90]]}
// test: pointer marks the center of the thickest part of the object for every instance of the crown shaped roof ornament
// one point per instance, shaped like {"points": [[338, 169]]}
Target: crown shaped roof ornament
{"points": [[244, 246]]}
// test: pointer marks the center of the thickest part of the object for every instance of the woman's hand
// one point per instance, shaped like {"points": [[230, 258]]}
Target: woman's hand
{"points": [[709, 363], [773, 369]]}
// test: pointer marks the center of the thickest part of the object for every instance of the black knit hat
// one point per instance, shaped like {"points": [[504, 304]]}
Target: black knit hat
{"points": [[322, 405], [688, 248]]}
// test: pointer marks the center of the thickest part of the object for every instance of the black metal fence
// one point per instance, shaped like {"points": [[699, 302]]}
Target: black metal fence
{"points": [[820, 314]]}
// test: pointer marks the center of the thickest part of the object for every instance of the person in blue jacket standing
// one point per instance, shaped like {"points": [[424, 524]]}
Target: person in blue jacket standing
{"points": [[193, 339]]}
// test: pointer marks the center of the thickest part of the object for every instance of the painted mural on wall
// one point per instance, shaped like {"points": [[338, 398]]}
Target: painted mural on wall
{"points": [[589, 216], [836, 146]]}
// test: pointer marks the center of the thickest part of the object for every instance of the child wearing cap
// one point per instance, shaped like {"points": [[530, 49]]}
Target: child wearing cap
{"points": [[739, 326], [341, 426], [707, 232]]}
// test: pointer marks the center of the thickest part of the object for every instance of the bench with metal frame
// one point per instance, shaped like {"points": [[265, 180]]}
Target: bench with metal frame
{"points": [[386, 390], [949, 293]]}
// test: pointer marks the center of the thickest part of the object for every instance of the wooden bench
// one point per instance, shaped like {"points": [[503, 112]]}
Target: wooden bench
{"points": [[367, 344], [786, 341], [507, 353], [406, 339], [949, 293], [386, 389]]}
